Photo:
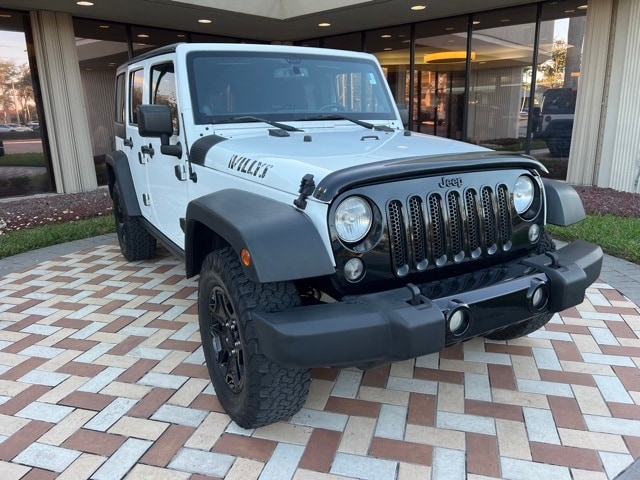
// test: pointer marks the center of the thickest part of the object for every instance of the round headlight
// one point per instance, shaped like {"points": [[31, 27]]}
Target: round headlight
{"points": [[523, 193], [353, 219]]}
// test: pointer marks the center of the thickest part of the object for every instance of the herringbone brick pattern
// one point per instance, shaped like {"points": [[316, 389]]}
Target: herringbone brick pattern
{"points": [[102, 376]]}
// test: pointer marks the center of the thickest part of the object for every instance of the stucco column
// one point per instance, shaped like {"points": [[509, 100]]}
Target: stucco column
{"points": [[63, 102], [620, 152], [583, 157]]}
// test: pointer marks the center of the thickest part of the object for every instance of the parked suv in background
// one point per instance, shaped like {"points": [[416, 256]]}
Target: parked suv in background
{"points": [[323, 233], [556, 120]]}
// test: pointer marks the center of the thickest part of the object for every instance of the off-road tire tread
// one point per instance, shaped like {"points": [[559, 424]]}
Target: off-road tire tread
{"points": [[137, 243], [546, 244], [273, 392]]}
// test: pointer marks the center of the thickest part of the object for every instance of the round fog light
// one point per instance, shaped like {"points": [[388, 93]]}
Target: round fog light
{"points": [[354, 270], [534, 233], [539, 298], [458, 321]]}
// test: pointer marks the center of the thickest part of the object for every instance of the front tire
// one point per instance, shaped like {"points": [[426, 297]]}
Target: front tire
{"points": [[252, 389], [136, 243]]}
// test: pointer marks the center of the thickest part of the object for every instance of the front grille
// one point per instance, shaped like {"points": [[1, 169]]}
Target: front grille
{"points": [[438, 230]]}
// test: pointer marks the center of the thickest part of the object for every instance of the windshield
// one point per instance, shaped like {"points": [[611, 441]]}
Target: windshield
{"points": [[285, 87]]}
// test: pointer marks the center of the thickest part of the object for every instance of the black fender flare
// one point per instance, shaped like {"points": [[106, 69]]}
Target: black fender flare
{"points": [[564, 206], [282, 240], [119, 171]]}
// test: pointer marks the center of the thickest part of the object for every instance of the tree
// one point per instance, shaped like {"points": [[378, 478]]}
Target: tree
{"points": [[16, 91], [553, 70]]}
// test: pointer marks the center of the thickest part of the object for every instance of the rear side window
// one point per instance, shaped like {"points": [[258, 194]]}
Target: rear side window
{"points": [[120, 99], [136, 84]]}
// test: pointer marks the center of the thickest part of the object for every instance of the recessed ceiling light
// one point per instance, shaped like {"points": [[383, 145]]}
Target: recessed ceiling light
{"points": [[324, 24], [181, 35], [505, 20], [142, 35], [5, 15], [418, 7], [85, 4], [204, 20], [386, 35], [105, 26], [477, 22], [448, 29], [583, 7], [388, 48], [569, 11]]}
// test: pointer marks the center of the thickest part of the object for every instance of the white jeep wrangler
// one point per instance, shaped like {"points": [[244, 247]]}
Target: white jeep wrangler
{"points": [[325, 234]]}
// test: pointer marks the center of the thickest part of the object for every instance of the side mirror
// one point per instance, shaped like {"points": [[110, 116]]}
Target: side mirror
{"points": [[155, 121]]}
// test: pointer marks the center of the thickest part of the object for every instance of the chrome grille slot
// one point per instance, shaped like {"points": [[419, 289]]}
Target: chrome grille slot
{"points": [[436, 230], [398, 238], [456, 226], [418, 233], [489, 217], [504, 218]]}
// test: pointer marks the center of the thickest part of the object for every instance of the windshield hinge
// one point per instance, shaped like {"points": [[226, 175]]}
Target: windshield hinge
{"points": [[307, 186]]}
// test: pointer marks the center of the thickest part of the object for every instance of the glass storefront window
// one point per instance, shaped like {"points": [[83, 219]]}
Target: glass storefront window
{"points": [[352, 41], [101, 47], [557, 81], [24, 168], [502, 48], [392, 47], [148, 38], [440, 64]]}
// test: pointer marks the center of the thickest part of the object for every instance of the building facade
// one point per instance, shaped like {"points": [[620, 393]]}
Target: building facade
{"points": [[553, 79]]}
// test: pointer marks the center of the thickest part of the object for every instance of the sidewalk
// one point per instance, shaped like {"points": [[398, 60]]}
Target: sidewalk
{"points": [[102, 376]]}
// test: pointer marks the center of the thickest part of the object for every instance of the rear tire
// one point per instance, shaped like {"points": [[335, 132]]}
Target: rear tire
{"points": [[546, 244], [136, 243], [253, 390]]}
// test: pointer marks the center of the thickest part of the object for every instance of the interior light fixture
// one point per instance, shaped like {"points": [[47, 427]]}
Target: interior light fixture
{"points": [[85, 4], [104, 27], [418, 7], [448, 29], [387, 49], [181, 35], [324, 24], [142, 35], [204, 20], [5, 15], [476, 22], [569, 11], [505, 20], [583, 7], [454, 56], [386, 35]]}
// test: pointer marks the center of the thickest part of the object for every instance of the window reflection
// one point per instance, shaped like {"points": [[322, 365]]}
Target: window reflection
{"points": [[24, 169], [440, 60], [392, 47], [558, 75], [101, 47], [502, 48]]}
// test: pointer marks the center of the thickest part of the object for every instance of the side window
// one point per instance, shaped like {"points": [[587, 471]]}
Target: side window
{"points": [[120, 99], [136, 85], [163, 90]]}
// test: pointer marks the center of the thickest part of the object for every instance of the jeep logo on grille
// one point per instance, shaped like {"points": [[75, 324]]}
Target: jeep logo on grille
{"points": [[450, 182]]}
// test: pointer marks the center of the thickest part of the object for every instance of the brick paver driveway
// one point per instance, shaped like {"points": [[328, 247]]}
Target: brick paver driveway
{"points": [[102, 376]]}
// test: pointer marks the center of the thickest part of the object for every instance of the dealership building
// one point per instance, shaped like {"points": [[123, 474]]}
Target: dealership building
{"points": [[498, 73]]}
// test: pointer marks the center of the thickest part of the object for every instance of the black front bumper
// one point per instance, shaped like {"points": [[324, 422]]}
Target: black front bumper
{"points": [[402, 323]]}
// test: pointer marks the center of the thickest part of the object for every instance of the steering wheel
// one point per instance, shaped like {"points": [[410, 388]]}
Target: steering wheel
{"points": [[333, 107]]}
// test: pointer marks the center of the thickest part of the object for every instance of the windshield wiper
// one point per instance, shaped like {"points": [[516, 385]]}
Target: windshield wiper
{"points": [[370, 126], [250, 119]]}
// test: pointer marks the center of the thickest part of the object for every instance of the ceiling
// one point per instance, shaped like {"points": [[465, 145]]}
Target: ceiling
{"points": [[266, 20]]}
